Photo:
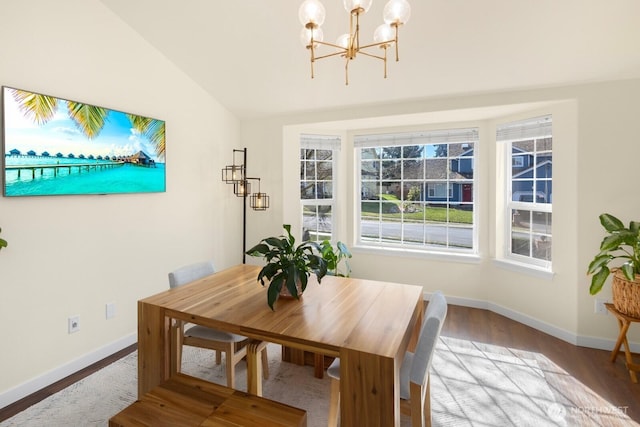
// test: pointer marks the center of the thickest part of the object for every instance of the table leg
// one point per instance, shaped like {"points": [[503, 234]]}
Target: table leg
{"points": [[176, 337], [154, 353], [254, 367], [369, 390]]}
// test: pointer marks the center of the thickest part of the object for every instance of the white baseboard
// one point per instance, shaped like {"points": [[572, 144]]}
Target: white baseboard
{"points": [[38, 383], [554, 331]]}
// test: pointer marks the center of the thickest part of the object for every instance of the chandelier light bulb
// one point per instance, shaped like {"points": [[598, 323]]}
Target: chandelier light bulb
{"points": [[344, 40], [384, 33], [350, 5], [305, 36], [397, 12], [311, 12]]}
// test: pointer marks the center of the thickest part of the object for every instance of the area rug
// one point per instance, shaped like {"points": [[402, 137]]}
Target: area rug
{"points": [[472, 384]]}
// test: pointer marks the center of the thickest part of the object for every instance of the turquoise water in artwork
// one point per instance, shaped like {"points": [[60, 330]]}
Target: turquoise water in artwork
{"points": [[79, 176]]}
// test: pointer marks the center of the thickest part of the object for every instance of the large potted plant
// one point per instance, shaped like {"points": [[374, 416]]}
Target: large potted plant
{"points": [[622, 244], [288, 266], [3, 243]]}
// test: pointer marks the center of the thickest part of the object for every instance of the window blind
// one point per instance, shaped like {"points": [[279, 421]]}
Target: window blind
{"points": [[538, 127], [320, 142], [417, 138]]}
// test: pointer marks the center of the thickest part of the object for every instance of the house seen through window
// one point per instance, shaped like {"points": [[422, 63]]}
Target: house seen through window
{"points": [[417, 190]]}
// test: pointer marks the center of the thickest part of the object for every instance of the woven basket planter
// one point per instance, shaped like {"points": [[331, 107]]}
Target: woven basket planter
{"points": [[626, 294]]}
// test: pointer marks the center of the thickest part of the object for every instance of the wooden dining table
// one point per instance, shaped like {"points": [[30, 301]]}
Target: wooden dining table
{"points": [[368, 324]]}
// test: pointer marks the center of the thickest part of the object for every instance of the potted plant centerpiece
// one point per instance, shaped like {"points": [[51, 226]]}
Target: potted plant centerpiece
{"points": [[622, 244], [334, 257], [3, 243], [288, 266]]}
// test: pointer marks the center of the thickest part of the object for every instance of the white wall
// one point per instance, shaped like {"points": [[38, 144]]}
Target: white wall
{"points": [[70, 255], [594, 172]]}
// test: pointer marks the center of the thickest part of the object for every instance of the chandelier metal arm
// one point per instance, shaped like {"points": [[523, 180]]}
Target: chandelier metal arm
{"points": [[312, 15], [372, 55], [331, 45]]}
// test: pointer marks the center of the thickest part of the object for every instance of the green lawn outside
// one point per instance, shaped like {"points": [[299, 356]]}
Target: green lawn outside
{"points": [[433, 214]]}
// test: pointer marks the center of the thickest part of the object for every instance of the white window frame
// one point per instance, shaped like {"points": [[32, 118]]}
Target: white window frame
{"points": [[435, 137], [321, 142], [523, 130]]}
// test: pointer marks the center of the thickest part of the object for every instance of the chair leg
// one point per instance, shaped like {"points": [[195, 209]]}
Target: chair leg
{"points": [[265, 364], [427, 403], [334, 403]]}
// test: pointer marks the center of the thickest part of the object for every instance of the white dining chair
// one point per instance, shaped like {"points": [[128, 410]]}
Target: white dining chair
{"points": [[414, 372], [232, 345]]}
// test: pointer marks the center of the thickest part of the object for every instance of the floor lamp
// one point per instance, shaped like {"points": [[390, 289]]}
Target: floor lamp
{"points": [[236, 174]]}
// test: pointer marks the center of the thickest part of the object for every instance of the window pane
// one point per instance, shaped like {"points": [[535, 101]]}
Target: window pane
{"points": [[325, 171], [391, 169], [310, 170], [543, 144], [325, 190], [541, 247], [412, 151], [370, 153], [413, 169], [391, 230], [324, 155], [307, 190], [370, 190], [436, 168], [425, 193], [370, 170]]}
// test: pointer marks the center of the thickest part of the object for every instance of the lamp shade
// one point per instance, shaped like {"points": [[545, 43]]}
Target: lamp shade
{"points": [[259, 201], [384, 33], [311, 12], [242, 188], [351, 5], [397, 12], [305, 36]]}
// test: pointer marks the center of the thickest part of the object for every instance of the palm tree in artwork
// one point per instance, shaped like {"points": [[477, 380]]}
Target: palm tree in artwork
{"points": [[88, 118]]}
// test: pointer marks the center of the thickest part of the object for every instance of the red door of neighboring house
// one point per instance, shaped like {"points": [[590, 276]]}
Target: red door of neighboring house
{"points": [[467, 193]]}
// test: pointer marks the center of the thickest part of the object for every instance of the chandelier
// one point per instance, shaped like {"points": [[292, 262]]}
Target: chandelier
{"points": [[312, 15]]}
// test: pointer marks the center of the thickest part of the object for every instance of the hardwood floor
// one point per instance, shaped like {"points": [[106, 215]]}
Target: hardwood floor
{"points": [[590, 367]]}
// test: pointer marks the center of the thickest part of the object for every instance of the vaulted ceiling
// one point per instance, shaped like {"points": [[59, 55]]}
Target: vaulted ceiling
{"points": [[247, 54]]}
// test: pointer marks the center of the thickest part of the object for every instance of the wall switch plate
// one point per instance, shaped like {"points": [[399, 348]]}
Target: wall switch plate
{"points": [[74, 324], [599, 307], [110, 310]]}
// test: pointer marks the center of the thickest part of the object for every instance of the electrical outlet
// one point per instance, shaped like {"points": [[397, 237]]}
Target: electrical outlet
{"points": [[599, 307], [110, 310], [74, 324]]}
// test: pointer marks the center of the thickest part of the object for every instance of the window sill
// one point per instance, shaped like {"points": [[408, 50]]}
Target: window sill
{"points": [[466, 258], [519, 267]]}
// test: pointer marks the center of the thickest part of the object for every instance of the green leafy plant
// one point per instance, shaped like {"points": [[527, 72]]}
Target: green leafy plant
{"points": [[3, 243], [288, 265], [622, 243], [333, 256]]}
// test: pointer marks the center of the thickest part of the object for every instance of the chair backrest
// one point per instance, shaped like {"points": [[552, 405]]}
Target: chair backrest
{"points": [[189, 273], [434, 318]]}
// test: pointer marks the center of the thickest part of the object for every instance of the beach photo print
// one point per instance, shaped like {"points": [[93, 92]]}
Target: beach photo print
{"points": [[54, 146]]}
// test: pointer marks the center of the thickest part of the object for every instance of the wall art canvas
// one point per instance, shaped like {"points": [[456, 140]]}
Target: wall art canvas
{"points": [[54, 146]]}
